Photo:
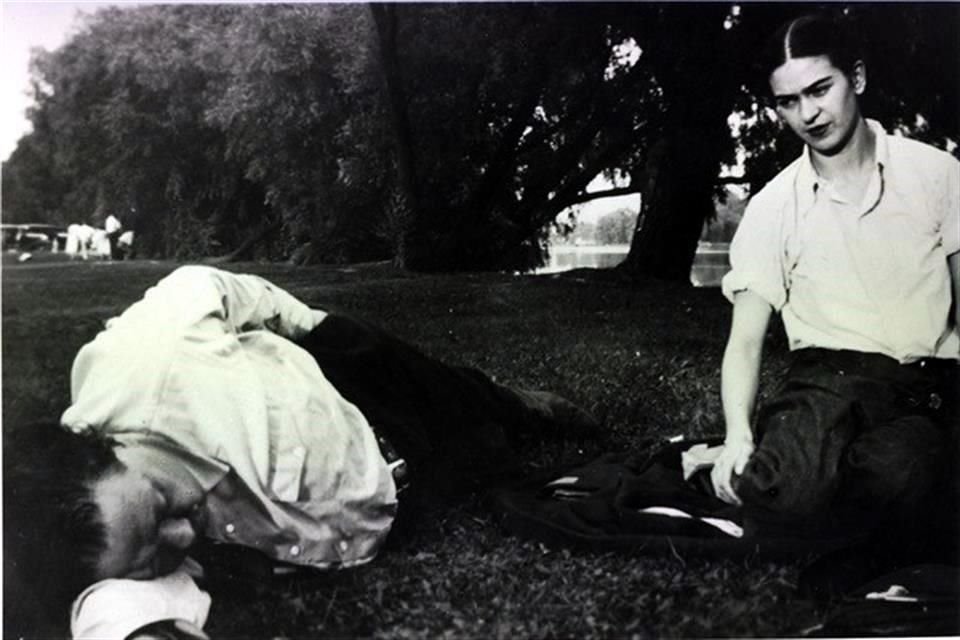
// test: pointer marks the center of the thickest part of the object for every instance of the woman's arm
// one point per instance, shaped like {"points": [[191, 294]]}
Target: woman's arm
{"points": [[739, 379]]}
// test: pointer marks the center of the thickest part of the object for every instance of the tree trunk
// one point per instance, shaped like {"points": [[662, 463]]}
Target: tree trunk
{"points": [[385, 19], [246, 247], [677, 200], [683, 166]]}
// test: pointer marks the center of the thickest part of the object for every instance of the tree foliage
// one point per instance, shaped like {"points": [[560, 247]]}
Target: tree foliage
{"points": [[443, 135], [616, 227]]}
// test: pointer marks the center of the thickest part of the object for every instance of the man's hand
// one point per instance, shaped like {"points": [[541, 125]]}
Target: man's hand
{"points": [[732, 460]]}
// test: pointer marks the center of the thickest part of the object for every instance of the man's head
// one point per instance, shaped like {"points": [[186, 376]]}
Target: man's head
{"points": [[53, 531], [816, 73], [75, 513], [150, 519]]}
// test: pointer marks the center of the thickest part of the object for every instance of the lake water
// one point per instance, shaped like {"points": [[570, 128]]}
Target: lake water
{"points": [[710, 263]]}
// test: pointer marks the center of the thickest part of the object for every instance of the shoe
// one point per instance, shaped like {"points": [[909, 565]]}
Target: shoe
{"points": [[831, 576], [561, 418]]}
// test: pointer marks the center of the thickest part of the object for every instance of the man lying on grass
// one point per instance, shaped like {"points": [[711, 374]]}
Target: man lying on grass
{"points": [[221, 407], [857, 245]]}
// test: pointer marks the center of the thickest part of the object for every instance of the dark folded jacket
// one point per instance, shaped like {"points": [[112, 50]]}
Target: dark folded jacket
{"points": [[633, 502]]}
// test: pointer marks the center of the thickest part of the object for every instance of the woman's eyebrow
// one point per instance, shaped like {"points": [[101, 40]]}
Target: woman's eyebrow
{"points": [[813, 86], [810, 87]]}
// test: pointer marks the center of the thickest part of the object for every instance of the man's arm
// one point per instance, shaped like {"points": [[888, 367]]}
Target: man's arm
{"points": [[244, 302], [739, 379]]}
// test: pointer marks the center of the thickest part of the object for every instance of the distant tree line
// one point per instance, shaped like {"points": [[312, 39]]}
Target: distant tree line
{"points": [[442, 136], [616, 227]]}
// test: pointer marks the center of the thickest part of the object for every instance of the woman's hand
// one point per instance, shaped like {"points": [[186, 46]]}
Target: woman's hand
{"points": [[732, 460], [740, 377]]}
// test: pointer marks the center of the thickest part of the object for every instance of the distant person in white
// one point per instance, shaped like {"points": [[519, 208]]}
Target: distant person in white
{"points": [[79, 239], [113, 228]]}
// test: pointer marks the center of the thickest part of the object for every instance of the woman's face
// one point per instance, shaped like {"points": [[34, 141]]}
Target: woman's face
{"points": [[818, 101]]}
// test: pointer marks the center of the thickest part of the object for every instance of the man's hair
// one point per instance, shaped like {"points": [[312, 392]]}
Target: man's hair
{"points": [[53, 530], [811, 35]]}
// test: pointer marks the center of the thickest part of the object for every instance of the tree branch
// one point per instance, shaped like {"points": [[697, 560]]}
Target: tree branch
{"points": [[733, 180], [580, 198]]}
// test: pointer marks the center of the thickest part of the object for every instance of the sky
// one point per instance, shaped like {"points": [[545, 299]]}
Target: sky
{"points": [[25, 25]]}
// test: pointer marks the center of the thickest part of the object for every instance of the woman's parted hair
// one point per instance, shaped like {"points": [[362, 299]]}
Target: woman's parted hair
{"points": [[53, 529], [817, 34]]}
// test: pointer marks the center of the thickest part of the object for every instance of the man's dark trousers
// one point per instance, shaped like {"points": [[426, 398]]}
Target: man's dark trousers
{"points": [[455, 427]]}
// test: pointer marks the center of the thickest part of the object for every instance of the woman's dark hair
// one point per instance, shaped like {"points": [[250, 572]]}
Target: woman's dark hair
{"points": [[53, 532], [813, 35]]}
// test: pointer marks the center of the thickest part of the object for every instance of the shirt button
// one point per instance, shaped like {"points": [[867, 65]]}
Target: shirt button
{"points": [[230, 528], [344, 545], [294, 550]]}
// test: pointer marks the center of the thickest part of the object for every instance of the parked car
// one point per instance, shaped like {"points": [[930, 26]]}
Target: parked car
{"points": [[32, 237]]}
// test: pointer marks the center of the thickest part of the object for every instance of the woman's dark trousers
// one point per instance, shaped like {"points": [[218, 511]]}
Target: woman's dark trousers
{"points": [[856, 442]]}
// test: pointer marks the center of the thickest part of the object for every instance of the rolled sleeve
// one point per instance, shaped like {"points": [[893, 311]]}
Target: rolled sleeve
{"points": [[756, 255]]}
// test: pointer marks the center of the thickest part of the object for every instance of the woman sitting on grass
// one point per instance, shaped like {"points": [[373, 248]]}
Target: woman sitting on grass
{"points": [[857, 245]]}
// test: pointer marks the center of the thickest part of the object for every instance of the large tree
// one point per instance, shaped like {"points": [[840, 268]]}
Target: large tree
{"points": [[537, 104], [692, 55], [446, 135], [121, 113]]}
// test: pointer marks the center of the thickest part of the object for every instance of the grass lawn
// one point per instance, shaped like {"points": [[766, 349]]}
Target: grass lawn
{"points": [[643, 357]]}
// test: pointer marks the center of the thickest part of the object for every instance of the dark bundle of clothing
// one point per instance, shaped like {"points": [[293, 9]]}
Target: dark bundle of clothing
{"points": [[647, 500], [660, 499]]}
